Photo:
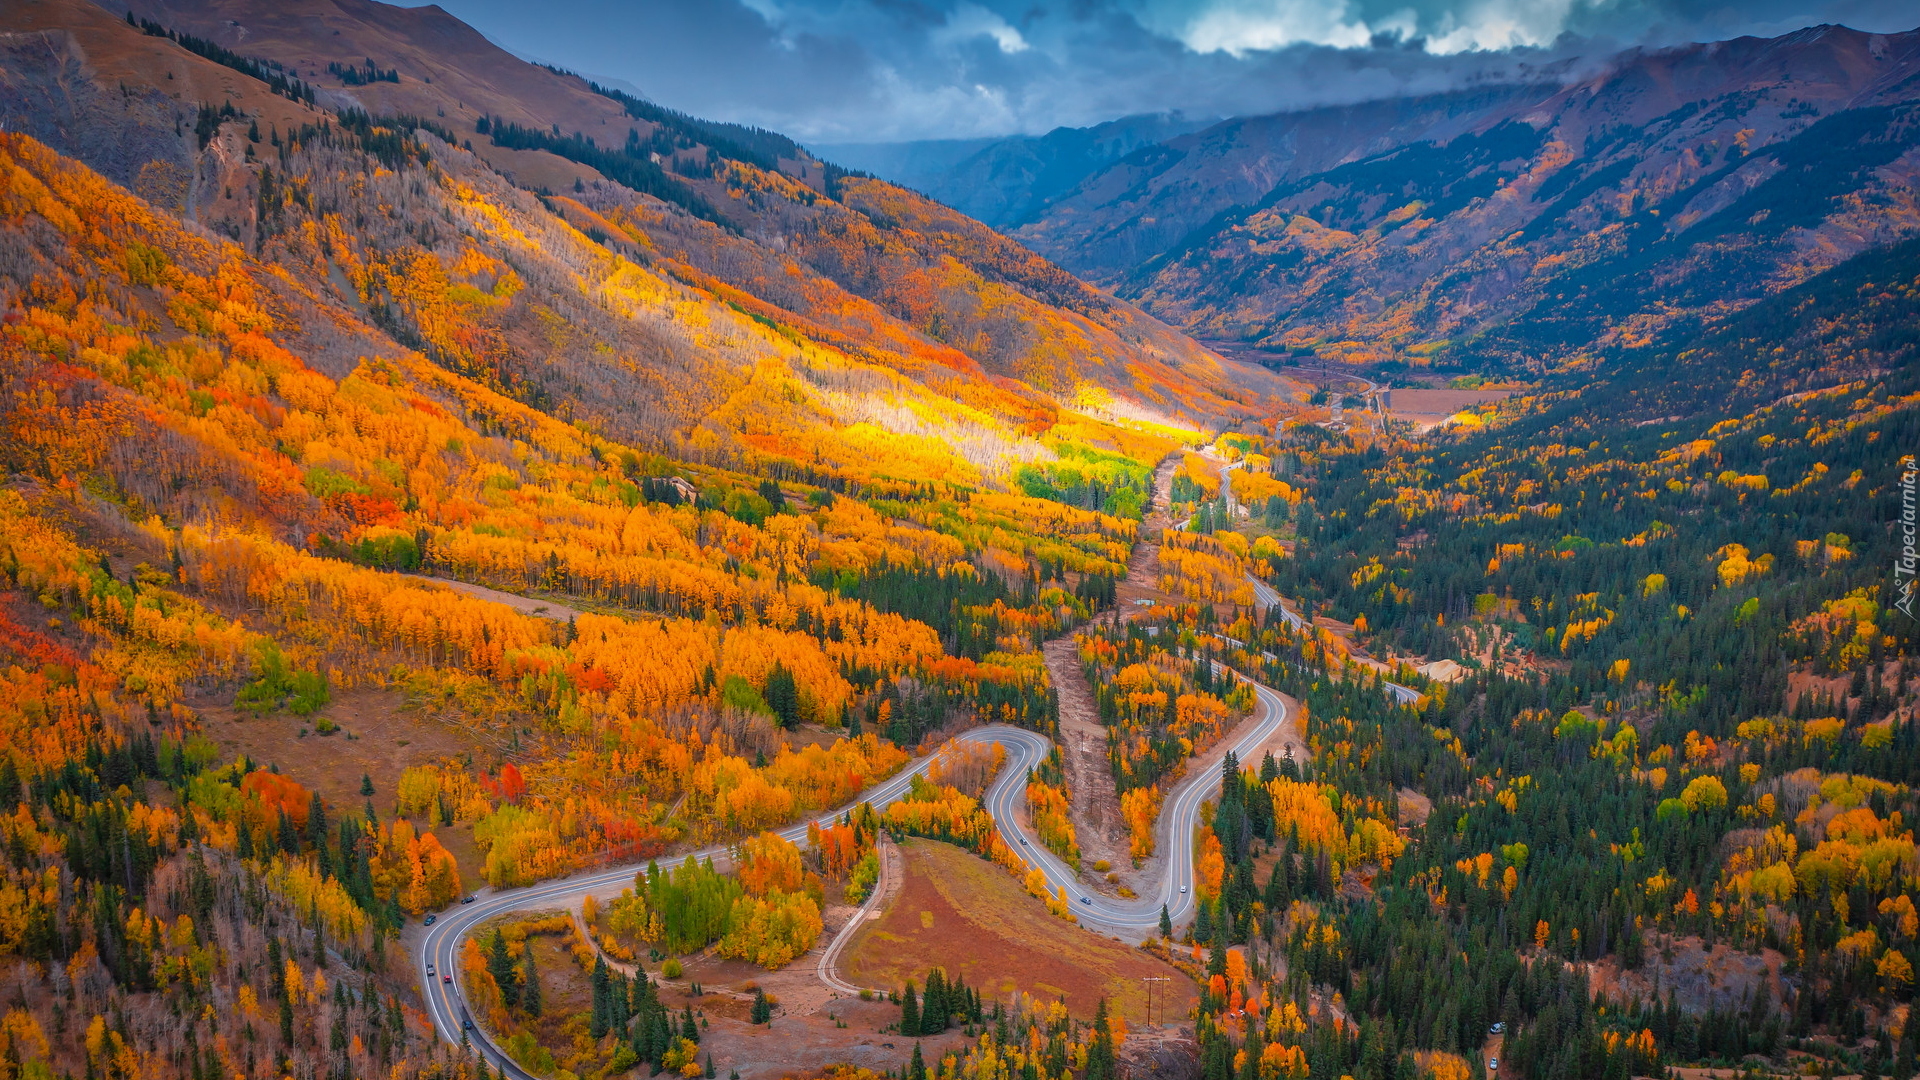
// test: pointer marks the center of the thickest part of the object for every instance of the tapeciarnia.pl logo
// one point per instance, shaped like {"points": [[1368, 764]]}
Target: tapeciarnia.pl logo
{"points": [[1904, 565]]}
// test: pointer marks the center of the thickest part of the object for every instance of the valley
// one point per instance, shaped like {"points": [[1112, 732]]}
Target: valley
{"points": [[502, 577]]}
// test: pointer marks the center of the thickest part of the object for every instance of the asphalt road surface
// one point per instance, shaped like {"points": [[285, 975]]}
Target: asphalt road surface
{"points": [[440, 945]]}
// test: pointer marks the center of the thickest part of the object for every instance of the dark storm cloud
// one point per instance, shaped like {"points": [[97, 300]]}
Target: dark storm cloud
{"points": [[872, 70]]}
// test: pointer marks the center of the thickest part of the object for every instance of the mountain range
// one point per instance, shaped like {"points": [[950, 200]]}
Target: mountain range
{"points": [[1519, 227], [799, 624]]}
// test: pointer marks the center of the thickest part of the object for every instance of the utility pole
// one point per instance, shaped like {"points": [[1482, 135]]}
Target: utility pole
{"points": [[1150, 980]]}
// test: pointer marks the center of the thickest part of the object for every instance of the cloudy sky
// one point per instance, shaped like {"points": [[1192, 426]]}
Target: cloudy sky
{"points": [[879, 70]]}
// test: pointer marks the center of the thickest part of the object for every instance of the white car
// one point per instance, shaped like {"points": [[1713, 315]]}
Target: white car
{"points": [[429, 971], [1183, 889], [1493, 1064]]}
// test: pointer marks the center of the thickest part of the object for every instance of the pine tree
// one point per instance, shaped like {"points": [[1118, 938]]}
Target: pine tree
{"points": [[1166, 922], [500, 966], [782, 695], [317, 822], [1100, 1057], [529, 984], [1279, 893], [917, 1068], [762, 1008], [909, 1011], [602, 1003], [934, 1009]]}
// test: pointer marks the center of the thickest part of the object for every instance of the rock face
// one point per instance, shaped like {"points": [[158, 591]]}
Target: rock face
{"points": [[1521, 226], [1170, 1056]]}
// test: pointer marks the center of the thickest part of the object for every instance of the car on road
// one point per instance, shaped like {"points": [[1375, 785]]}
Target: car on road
{"points": [[1493, 1064], [1086, 901], [468, 899], [448, 979], [429, 921], [1499, 1028], [1023, 841], [1183, 888], [429, 971]]}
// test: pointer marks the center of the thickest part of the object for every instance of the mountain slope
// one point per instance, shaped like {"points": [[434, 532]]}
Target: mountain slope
{"points": [[1007, 182], [1517, 226], [980, 314]]}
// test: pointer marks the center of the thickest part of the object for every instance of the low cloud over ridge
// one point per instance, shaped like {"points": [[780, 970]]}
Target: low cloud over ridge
{"points": [[874, 70]]}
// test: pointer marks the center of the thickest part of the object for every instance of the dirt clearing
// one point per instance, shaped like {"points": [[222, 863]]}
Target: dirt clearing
{"points": [[377, 740], [964, 914]]}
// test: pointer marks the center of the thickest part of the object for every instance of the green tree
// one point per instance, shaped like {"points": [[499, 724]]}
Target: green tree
{"points": [[783, 697], [602, 1003], [1100, 1056], [500, 966], [530, 998], [909, 1011]]}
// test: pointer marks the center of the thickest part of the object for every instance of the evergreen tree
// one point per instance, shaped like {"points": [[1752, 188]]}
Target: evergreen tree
{"points": [[1101, 1064], [602, 993], [1230, 822], [1279, 893], [934, 1008], [762, 1008], [529, 984], [1166, 922], [500, 966], [317, 822], [782, 695], [917, 1067], [909, 1011]]}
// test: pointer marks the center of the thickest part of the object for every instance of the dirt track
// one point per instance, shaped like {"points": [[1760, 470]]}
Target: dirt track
{"points": [[1097, 823], [1083, 740]]}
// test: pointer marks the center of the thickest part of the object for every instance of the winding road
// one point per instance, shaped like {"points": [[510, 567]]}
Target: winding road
{"points": [[438, 947]]}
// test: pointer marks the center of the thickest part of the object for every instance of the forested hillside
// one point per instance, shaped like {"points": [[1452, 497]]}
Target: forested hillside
{"points": [[1661, 815], [1515, 227], [311, 341], [429, 473], [1664, 814]]}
